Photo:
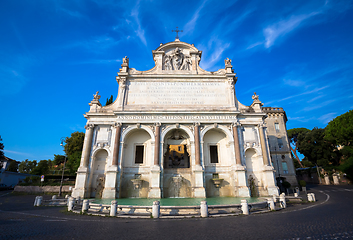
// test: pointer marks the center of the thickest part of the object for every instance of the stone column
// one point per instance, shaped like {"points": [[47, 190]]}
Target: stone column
{"points": [[87, 144], [116, 144], [157, 143], [111, 174], [197, 144], [198, 188], [81, 184], [263, 145], [236, 144]]}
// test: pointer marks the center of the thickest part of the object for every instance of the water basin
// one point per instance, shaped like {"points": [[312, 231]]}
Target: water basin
{"points": [[178, 201]]}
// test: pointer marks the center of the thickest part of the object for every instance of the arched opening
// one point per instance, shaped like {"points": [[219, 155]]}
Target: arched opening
{"points": [[216, 154], [137, 155], [176, 163], [253, 167], [176, 151], [98, 173]]}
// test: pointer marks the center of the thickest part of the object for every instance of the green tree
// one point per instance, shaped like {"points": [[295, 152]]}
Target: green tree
{"points": [[27, 166], [73, 150], [109, 100], [42, 168], [13, 166], [317, 150], [340, 133], [58, 159], [1, 150], [293, 135]]}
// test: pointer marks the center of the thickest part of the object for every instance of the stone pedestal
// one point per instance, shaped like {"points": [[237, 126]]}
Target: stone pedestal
{"points": [[155, 183], [269, 177], [240, 175], [335, 179], [110, 183], [327, 180], [199, 189], [80, 189]]}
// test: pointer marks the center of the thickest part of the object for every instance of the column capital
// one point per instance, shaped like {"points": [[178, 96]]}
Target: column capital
{"points": [[117, 125], [262, 125], [236, 124], [89, 126], [196, 124], [157, 124]]}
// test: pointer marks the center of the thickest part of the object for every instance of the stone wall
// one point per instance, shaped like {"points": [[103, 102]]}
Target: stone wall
{"points": [[44, 189]]}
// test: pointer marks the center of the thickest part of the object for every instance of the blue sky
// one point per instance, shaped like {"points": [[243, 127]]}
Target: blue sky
{"points": [[54, 55]]}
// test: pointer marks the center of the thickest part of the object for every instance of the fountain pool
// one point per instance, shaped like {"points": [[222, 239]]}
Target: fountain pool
{"points": [[178, 201]]}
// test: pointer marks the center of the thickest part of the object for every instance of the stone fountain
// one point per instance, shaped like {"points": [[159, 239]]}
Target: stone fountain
{"points": [[177, 181], [217, 182], [137, 183]]}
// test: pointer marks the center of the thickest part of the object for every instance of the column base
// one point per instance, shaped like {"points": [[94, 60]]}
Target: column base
{"points": [[109, 193], [243, 192], [154, 193], [199, 192]]}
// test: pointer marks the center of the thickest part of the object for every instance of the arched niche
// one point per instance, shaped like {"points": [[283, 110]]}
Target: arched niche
{"points": [[98, 172], [215, 147], [176, 149]]}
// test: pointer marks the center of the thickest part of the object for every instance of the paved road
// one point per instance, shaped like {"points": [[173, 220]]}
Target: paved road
{"points": [[331, 217]]}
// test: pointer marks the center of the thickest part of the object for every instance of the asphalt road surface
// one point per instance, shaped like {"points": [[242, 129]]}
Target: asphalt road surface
{"points": [[331, 217]]}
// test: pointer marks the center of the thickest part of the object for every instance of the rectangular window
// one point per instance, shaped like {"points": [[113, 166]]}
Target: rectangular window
{"points": [[139, 154], [277, 127], [214, 154], [285, 168], [280, 143]]}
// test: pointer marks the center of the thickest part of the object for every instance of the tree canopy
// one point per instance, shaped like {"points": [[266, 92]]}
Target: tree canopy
{"points": [[27, 166], [73, 149], [1, 149], [293, 135], [109, 100]]}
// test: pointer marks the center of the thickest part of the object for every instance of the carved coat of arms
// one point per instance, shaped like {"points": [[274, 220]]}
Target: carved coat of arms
{"points": [[177, 61]]}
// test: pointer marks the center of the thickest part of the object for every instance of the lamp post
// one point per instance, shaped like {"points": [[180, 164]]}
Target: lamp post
{"points": [[62, 174]]}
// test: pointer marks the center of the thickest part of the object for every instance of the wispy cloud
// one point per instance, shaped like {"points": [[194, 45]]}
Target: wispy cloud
{"points": [[96, 44], [327, 117], [294, 83], [140, 32], [75, 14], [279, 29], [99, 61], [18, 153], [190, 25]]}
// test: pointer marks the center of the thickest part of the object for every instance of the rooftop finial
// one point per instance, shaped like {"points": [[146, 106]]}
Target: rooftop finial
{"points": [[177, 31]]}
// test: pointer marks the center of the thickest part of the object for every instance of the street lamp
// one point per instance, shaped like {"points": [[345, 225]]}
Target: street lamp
{"points": [[62, 174]]}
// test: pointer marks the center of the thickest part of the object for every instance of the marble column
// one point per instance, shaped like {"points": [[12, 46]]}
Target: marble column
{"points": [[81, 185], [111, 174], [87, 144], [198, 188], [157, 143], [116, 144], [197, 144], [236, 144], [155, 180], [263, 145]]}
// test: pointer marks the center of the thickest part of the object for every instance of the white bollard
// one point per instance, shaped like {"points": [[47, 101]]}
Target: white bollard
{"points": [[245, 206], [282, 200], [156, 209], [204, 209], [85, 205], [295, 194], [39, 201], [310, 197], [53, 197], [271, 204], [66, 196], [70, 207], [313, 197], [35, 201], [113, 208], [274, 198]]}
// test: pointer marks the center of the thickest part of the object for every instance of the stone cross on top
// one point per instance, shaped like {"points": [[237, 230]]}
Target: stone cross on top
{"points": [[177, 31]]}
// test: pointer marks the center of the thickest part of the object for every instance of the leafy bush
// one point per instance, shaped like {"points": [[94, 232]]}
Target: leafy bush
{"points": [[302, 183]]}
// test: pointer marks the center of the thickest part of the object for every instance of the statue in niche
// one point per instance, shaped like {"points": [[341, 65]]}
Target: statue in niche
{"points": [[177, 61], [186, 64], [168, 63]]}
